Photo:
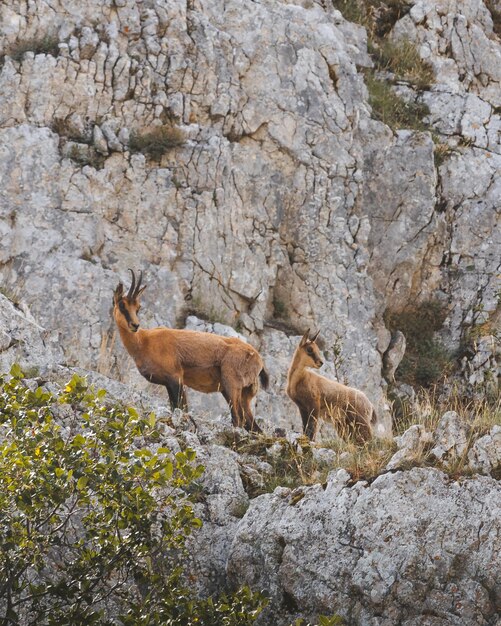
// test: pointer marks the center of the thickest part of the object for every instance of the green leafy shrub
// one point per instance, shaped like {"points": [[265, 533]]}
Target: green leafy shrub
{"points": [[95, 517], [157, 141]]}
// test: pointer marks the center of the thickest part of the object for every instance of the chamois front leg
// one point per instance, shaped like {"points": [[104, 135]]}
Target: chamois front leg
{"points": [[177, 395], [310, 422]]}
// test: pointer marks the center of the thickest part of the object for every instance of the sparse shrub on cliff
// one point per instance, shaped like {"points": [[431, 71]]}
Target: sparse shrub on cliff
{"points": [[63, 127], [42, 45], [378, 16], [402, 59], [86, 155], [441, 151], [389, 108], [426, 359], [95, 516], [156, 141]]}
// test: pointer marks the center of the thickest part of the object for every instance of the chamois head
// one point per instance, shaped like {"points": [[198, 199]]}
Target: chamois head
{"points": [[309, 351], [125, 308]]}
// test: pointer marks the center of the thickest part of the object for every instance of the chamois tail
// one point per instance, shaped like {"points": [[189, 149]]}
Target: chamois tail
{"points": [[264, 378], [373, 417]]}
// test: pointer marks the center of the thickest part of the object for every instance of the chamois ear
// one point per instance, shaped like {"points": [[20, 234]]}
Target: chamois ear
{"points": [[118, 293], [305, 339], [140, 291], [314, 338]]}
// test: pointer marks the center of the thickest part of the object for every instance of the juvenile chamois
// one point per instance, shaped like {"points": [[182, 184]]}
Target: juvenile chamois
{"points": [[318, 397], [203, 361]]}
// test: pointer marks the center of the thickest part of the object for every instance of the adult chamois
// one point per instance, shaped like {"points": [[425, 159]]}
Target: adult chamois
{"points": [[203, 361], [317, 397]]}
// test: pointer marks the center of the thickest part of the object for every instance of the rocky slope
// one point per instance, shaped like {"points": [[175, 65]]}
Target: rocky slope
{"points": [[415, 545]]}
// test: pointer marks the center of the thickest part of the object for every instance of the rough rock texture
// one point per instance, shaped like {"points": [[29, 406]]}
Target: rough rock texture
{"points": [[285, 205], [450, 437], [457, 39], [23, 341], [410, 445], [410, 548], [485, 454]]}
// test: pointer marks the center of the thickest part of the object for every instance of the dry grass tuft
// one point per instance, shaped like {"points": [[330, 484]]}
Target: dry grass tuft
{"points": [[402, 59], [40, 45], [389, 108], [296, 464]]}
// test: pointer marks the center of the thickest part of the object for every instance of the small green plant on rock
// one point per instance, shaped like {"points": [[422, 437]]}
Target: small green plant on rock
{"points": [[402, 59], [94, 519], [391, 109], [323, 620]]}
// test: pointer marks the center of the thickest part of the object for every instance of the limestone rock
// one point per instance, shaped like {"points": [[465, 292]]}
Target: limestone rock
{"points": [[390, 548], [393, 355], [485, 454], [410, 446], [24, 342], [449, 437], [285, 205]]}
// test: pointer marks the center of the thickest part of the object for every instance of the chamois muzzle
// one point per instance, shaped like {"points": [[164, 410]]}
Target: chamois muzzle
{"points": [[134, 327]]}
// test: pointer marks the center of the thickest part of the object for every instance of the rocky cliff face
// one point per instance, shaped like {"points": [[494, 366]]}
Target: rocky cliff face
{"points": [[283, 204]]}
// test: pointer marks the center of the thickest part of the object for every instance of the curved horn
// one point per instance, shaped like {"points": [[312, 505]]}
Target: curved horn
{"points": [[315, 336], [136, 291], [304, 338], [130, 294]]}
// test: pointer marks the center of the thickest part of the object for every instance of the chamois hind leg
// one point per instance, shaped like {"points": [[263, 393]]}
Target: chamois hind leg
{"points": [[177, 395], [234, 402], [247, 394], [359, 429]]}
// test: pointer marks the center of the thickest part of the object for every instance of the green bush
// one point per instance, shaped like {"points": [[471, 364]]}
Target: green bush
{"points": [[94, 522]]}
